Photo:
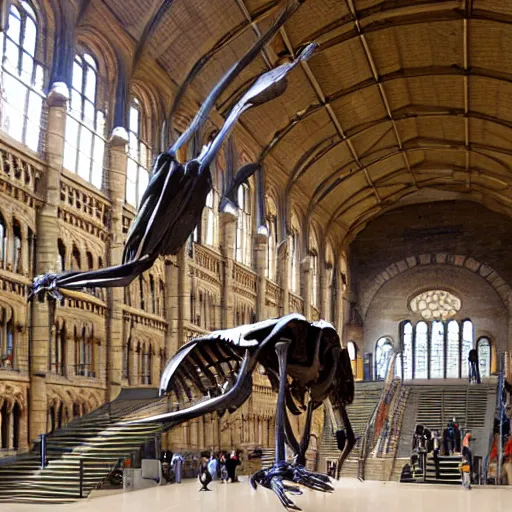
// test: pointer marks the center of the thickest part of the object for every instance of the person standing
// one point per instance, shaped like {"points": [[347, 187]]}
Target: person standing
{"points": [[231, 464], [213, 466], [223, 469], [436, 446], [177, 464]]}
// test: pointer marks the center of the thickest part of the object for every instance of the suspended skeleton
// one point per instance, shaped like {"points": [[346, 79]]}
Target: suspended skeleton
{"points": [[306, 366], [173, 202]]}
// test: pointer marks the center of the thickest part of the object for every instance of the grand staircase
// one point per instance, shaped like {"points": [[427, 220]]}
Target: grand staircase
{"points": [[367, 395], [81, 455]]}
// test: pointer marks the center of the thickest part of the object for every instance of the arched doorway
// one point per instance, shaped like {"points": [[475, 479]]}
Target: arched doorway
{"points": [[383, 351]]}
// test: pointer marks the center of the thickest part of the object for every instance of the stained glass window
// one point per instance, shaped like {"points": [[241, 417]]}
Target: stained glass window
{"points": [[452, 351], [484, 357], [22, 77], [407, 350], [383, 351], [437, 350], [421, 351], [436, 305], [85, 125], [467, 345]]}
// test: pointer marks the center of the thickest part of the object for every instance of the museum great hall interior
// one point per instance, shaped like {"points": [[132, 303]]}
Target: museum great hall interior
{"points": [[383, 205]]}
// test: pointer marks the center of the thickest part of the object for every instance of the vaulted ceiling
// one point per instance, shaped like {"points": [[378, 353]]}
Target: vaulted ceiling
{"points": [[403, 99]]}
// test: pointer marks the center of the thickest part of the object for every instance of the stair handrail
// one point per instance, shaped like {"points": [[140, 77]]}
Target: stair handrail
{"points": [[368, 434]]}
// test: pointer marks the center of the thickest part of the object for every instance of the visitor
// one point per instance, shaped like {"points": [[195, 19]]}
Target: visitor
{"points": [[177, 465], [467, 454], [436, 447], [474, 371], [465, 470], [231, 464], [204, 475], [507, 460], [223, 469], [213, 466]]}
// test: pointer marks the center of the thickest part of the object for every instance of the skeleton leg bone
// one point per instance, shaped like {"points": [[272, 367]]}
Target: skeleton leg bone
{"points": [[350, 441], [274, 477]]}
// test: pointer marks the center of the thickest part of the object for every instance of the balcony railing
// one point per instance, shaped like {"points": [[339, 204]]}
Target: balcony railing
{"points": [[295, 303], [208, 260], [244, 278]]}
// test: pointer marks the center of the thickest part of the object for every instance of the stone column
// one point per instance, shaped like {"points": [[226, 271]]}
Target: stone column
{"points": [[183, 299], [284, 268], [261, 248], [115, 296], [46, 257], [155, 368], [306, 286], [171, 306], [324, 293], [25, 270], [227, 245]]}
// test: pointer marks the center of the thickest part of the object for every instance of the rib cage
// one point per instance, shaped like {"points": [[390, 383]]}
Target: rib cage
{"points": [[207, 368]]}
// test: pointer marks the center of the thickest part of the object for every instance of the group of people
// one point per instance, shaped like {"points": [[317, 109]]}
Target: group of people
{"points": [[218, 467], [426, 441]]}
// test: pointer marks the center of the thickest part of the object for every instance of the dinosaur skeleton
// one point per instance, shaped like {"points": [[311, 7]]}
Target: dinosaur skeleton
{"points": [[306, 366], [173, 202]]}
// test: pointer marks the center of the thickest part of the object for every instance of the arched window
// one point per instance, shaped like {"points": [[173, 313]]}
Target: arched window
{"points": [[152, 294], [484, 357], [16, 415], [3, 242], [6, 338], [243, 246], [83, 354], [76, 260], [142, 289], [437, 351], [209, 221], [352, 353], [139, 155], [407, 350], [16, 247], [126, 354], [383, 351], [294, 256], [271, 267], [453, 350], [85, 125], [62, 255], [421, 351], [57, 360], [467, 345], [22, 77]]}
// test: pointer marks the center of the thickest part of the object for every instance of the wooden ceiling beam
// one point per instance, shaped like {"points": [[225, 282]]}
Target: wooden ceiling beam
{"points": [[426, 71]]}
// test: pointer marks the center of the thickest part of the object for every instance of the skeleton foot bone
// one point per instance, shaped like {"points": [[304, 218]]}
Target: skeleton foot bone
{"points": [[273, 478]]}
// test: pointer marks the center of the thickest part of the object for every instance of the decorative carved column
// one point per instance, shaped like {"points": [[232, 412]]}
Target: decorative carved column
{"points": [[116, 188], [325, 312], [261, 248], [227, 246], [47, 256], [155, 368]]}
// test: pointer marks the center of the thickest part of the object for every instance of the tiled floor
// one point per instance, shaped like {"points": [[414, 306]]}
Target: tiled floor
{"points": [[350, 495]]}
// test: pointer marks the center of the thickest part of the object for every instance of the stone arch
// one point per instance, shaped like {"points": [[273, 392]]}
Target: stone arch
{"points": [[481, 269]]}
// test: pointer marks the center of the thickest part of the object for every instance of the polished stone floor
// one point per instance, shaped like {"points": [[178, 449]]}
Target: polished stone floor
{"points": [[350, 495]]}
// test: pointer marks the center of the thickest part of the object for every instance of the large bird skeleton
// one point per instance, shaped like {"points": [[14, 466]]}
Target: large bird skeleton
{"points": [[305, 365], [303, 361], [173, 202]]}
